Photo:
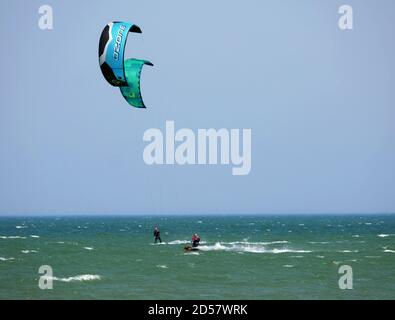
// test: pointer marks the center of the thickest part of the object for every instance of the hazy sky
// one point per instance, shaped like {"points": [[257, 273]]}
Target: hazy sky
{"points": [[320, 103]]}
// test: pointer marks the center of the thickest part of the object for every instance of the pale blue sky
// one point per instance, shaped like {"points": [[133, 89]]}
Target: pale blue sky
{"points": [[320, 103]]}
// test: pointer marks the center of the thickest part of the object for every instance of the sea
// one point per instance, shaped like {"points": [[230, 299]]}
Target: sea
{"points": [[241, 257]]}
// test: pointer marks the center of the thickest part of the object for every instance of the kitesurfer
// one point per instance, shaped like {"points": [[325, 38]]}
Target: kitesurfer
{"points": [[195, 240], [157, 235]]}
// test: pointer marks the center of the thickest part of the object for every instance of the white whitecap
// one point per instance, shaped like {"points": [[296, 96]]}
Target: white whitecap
{"points": [[12, 237], [178, 242], [241, 247], [83, 277], [319, 242], [6, 259], [29, 251]]}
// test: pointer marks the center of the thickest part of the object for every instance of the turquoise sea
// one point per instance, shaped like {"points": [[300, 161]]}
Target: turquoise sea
{"points": [[241, 257]]}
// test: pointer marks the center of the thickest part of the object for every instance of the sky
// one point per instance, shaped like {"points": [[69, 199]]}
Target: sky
{"points": [[320, 102]]}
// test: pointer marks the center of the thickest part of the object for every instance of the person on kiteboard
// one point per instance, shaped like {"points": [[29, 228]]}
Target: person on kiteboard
{"points": [[157, 235], [195, 240]]}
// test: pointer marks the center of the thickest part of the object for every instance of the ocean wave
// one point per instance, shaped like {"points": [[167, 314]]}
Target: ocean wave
{"points": [[83, 277], [88, 248], [384, 235], [181, 242], [6, 259], [288, 266], [163, 266], [348, 251], [34, 236], [29, 251], [12, 237], [20, 227], [289, 251], [218, 246], [388, 250], [319, 242], [244, 242], [256, 243], [178, 242]]}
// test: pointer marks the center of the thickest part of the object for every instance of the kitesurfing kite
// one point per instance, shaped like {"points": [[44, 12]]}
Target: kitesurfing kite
{"points": [[119, 72]]}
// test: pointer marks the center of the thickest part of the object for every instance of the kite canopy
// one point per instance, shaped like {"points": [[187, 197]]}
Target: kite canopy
{"points": [[132, 92], [117, 71]]}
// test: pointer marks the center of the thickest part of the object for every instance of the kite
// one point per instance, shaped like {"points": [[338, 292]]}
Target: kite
{"points": [[119, 72]]}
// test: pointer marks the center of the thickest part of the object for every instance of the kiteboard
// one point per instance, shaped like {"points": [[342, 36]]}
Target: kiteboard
{"points": [[190, 248]]}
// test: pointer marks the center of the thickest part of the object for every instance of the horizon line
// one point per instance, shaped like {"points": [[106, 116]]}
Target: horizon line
{"points": [[32, 215]]}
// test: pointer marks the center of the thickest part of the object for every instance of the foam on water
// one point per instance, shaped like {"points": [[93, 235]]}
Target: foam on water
{"points": [[12, 237], [83, 277], [319, 242], [193, 253], [256, 243], [88, 248], [6, 259], [384, 235], [180, 242], [29, 251], [244, 247]]}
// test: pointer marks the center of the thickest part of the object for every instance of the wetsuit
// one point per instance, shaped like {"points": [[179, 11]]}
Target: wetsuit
{"points": [[157, 236], [195, 241]]}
